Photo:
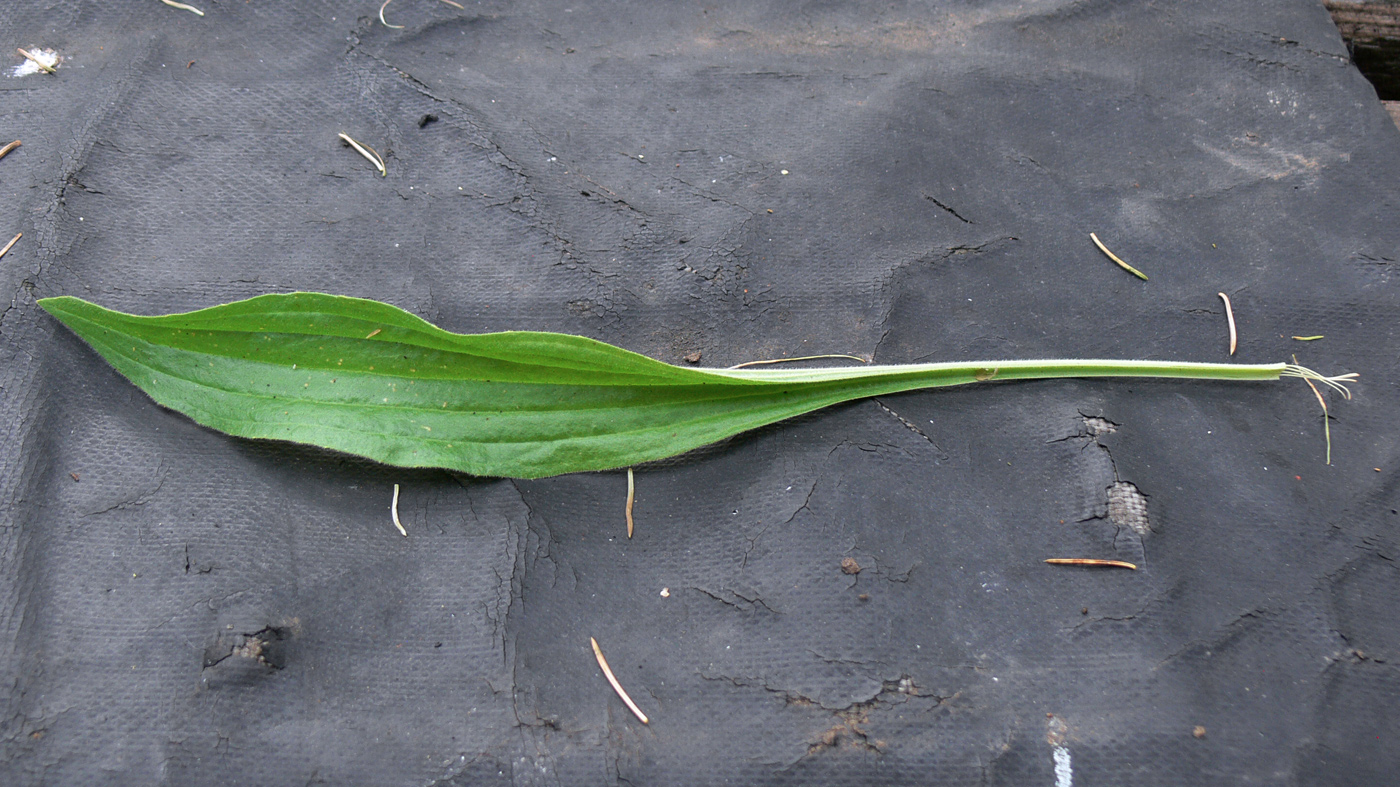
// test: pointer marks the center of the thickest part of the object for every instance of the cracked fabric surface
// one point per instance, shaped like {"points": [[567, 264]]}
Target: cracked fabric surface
{"points": [[855, 596]]}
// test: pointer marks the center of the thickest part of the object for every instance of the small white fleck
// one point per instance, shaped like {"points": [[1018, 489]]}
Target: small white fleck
{"points": [[665, 592], [785, 172]]}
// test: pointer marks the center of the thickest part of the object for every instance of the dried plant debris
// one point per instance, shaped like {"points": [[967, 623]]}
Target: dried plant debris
{"points": [[1326, 417], [394, 511], [381, 16], [36, 60], [788, 360], [631, 498], [1229, 318], [1091, 562], [368, 152], [617, 687], [1125, 266], [183, 7]]}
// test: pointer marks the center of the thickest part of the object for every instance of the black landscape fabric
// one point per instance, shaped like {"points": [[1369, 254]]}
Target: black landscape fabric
{"points": [[857, 596]]}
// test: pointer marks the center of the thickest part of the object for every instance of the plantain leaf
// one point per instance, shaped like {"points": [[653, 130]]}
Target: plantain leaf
{"points": [[370, 379]]}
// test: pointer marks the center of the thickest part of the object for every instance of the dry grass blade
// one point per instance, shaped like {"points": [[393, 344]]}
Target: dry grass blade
{"points": [[1326, 418], [1230, 318], [455, 5], [394, 511], [41, 64], [1085, 561], [369, 153], [607, 673], [1125, 266], [183, 7], [631, 497], [800, 358], [12, 242], [1308, 338], [381, 16], [5, 151]]}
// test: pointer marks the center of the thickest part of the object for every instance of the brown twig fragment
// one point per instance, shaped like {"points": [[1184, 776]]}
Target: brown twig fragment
{"points": [[1084, 561], [607, 673], [381, 15], [5, 151], [1230, 318], [802, 358], [183, 7], [631, 497], [41, 64], [1125, 266], [394, 511], [369, 153], [12, 242]]}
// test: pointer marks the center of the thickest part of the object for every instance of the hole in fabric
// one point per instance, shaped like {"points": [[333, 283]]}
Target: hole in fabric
{"points": [[1127, 507]]}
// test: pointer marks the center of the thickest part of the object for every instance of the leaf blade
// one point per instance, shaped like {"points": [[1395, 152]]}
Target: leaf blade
{"points": [[370, 379]]}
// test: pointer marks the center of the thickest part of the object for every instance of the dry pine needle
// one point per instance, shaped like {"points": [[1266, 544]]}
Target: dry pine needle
{"points": [[617, 687]]}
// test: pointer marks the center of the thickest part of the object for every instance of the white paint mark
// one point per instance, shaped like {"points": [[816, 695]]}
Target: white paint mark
{"points": [[1064, 777]]}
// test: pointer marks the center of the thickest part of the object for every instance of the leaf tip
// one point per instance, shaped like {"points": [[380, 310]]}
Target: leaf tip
{"points": [[56, 304]]}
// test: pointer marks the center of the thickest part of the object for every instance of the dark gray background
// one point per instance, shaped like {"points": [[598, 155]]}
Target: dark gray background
{"points": [[197, 609]]}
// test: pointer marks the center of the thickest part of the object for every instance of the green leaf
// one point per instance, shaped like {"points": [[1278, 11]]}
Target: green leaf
{"points": [[370, 379]]}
